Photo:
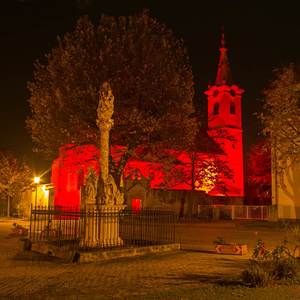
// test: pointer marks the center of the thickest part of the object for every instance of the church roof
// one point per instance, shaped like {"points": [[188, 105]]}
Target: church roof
{"points": [[224, 73]]}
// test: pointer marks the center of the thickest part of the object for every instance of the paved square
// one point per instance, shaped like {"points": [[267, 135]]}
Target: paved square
{"points": [[28, 276]]}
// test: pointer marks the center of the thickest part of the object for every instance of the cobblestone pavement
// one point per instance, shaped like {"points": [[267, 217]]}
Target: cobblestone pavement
{"points": [[28, 276]]}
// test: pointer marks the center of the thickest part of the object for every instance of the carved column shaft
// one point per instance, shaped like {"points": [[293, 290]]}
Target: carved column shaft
{"points": [[105, 122], [104, 151]]}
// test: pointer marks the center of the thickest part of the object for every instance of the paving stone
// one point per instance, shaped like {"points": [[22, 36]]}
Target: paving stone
{"points": [[29, 275]]}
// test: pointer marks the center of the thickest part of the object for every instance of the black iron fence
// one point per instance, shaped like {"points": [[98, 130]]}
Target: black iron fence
{"points": [[102, 228]]}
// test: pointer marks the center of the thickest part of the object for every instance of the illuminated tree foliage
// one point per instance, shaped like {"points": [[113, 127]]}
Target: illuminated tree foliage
{"points": [[281, 116], [148, 70], [199, 167], [14, 177], [199, 172], [259, 173]]}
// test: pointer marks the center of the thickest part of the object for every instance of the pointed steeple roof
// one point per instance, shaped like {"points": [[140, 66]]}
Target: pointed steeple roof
{"points": [[224, 74]]}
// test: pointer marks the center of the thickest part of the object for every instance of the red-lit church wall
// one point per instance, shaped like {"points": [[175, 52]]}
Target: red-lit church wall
{"points": [[70, 169]]}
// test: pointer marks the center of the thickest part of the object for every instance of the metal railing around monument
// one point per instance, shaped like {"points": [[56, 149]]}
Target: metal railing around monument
{"points": [[61, 226]]}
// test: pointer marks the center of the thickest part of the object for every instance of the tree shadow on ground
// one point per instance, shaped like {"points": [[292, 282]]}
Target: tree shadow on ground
{"points": [[216, 278], [193, 278]]}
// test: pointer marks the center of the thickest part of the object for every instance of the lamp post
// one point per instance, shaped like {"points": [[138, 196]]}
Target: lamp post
{"points": [[36, 181]]}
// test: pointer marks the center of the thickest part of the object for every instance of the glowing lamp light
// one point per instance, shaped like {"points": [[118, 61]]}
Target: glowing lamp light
{"points": [[36, 180]]}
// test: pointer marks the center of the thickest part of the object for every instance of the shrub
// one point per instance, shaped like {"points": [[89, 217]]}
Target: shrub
{"points": [[285, 269], [257, 275], [267, 266]]}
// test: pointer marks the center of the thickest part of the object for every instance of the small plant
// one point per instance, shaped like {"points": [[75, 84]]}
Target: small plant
{"points": [[294, 234], [295, 230], [260, 252], [285, 224], [219, 241]]}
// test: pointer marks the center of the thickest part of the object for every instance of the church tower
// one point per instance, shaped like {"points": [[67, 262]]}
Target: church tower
{"points": [[225, 123]]}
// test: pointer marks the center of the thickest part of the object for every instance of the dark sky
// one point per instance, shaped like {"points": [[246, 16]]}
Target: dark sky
{"points": [[259, 37]]}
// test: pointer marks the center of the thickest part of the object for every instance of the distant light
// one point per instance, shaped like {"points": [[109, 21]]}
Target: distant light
{"points": [[36, 180]]}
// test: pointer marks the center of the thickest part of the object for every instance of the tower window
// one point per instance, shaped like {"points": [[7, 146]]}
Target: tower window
{"points": [[215, 93], [232, 108], [216, 109]]}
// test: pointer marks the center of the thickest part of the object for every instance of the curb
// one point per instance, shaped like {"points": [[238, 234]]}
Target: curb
{"points": [[120, 253]]}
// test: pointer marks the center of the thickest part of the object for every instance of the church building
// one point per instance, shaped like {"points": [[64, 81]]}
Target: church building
{"points": [[192, 179]]}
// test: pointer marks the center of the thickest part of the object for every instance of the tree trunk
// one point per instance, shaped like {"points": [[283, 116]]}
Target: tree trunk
{"points": [[8, 206], [193, 159]]}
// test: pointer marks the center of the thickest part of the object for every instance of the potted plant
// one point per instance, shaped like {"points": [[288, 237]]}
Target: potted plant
{"points": [[222, 247]]}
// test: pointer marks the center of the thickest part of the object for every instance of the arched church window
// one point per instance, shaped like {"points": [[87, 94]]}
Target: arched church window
{"points": [[216, 109], [232, 93], [232, 108]]}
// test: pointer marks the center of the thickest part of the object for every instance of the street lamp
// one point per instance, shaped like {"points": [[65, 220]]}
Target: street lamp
{"points": [[36, 181]]}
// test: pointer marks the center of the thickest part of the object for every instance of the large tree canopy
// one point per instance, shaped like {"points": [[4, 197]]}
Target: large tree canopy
{"points": [[149, 72], [281, 116]]}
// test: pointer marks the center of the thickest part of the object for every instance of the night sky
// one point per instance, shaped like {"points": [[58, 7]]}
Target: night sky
{"points": [[259, 37]]}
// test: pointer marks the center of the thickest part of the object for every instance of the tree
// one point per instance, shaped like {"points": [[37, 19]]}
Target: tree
{"points": [[199, 167], [14, 177], [198, 172], [259, 173], [281, 116], [151, 79]]}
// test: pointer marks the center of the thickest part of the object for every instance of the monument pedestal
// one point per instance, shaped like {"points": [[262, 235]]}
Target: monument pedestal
{"points": [[109, 225], [101, 226]]}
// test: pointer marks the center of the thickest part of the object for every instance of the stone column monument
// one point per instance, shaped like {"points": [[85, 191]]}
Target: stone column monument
{"points": [[111, 201], [102, 199]]}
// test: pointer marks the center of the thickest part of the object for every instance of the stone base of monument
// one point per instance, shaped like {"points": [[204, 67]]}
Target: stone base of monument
{"points": [[95, 256], [65, 252], [70, 254], [235, 249], [102, 229]]}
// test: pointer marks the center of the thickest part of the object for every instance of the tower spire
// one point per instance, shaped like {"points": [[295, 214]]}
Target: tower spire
{"points": [[224, 74]]}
